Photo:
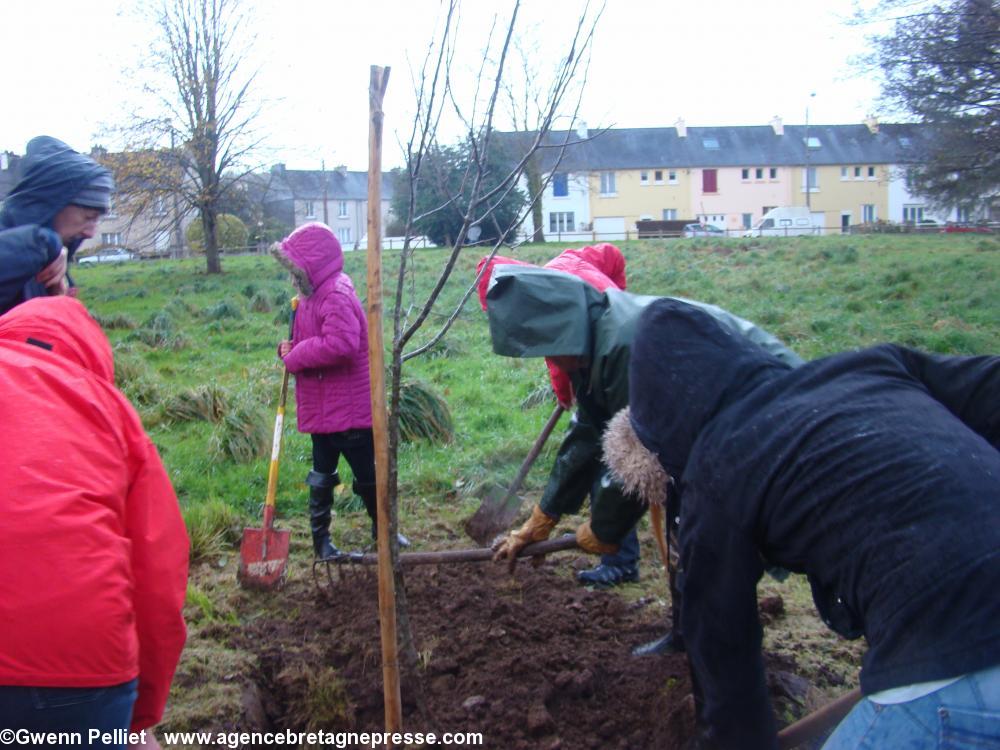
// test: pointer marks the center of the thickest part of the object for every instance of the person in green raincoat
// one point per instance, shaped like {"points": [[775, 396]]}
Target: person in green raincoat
{"points": [[536, 312]]}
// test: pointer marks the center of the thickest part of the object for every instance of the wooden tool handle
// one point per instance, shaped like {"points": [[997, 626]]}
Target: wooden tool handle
{"points": [[811, 726], [567, 541]]}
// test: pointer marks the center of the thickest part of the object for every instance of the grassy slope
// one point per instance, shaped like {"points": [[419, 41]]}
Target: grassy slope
{"points": [[820, 295]]}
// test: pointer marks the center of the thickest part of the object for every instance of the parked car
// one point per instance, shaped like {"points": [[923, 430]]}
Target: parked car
{"points": [[702, 230], [109, 255], [784, 221]]}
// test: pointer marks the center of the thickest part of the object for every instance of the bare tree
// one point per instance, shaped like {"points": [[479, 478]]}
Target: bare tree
{"points": [[204, 112], [474, 193]]}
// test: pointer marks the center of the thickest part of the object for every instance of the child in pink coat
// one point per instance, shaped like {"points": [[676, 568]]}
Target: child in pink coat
{"points": [[328, 355]]}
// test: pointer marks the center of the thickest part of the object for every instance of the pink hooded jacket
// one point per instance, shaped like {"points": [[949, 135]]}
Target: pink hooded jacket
{"points": [[329, 355]]}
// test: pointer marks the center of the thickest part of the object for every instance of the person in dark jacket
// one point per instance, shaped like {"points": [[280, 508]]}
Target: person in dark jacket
{"points": [[53, 208], [536, 312], [877, 474]]}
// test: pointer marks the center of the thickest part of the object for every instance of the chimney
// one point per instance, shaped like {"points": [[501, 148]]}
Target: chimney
{"points": [[682, 130], [278, 169], [581, 129], [341, 169], [779, 128], [872, 124]]}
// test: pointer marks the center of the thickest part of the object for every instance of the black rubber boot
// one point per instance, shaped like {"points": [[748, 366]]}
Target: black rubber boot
{"points": [[320, 511], [605, 576], [369, 496], [671, 643]]}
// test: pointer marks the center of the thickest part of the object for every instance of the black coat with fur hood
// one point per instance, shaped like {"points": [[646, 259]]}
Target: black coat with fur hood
{"points": [[874, 472]]}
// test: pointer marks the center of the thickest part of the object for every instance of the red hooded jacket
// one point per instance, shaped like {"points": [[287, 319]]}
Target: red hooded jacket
{"points": [[94, 552], [602, 266]]}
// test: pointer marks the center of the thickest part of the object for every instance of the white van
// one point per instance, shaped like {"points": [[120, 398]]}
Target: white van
{"points": [[784, 221]]}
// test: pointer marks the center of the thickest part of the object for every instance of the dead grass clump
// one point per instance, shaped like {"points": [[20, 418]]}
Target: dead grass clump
{"points": [[319, 698], [115, 321], [243, 434], [423, 414], [206, 402], [133, 377], [224, 309], [260, 303], [213, 527], [540, 394]]}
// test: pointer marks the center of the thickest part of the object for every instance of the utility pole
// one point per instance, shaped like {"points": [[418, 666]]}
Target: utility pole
{"points": [[808, 181], [326, 218], [178, 237]]}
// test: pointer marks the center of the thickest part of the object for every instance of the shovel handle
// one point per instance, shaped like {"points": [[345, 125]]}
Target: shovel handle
{"points": [[529, 460], [811, 726], [279, 419]]}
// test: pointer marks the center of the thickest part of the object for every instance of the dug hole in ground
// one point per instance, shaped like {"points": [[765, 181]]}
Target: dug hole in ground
{"points": [[532, 660]]}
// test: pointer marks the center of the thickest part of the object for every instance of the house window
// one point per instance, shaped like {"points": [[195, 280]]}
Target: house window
{"points": [[857, 173], [773, 173], [160, 206], [758, 173], [912, 214], [670, 214], [344, 235], [644, 178], [658, 176], [810, 180], [561, 221], [560, 185], [747, 221], [963, 215], [342, 210], [710, 144], [112, 209], [709, 180], [868, 215], [812, 142], [672, 177], [310, 210], [608, 183], [844, 173], [871, 173], [111, 238], [745, 174]]}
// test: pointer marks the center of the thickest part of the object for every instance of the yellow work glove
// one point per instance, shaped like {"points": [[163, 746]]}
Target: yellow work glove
{"points": [[535, 529], [586, 541]]}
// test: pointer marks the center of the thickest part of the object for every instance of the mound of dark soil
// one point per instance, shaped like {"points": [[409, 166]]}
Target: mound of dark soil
{"points": [[530, 660]]}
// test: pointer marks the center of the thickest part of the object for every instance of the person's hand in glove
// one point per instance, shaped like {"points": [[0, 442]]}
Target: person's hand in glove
{"points": [[586, 541], [535, 529]]}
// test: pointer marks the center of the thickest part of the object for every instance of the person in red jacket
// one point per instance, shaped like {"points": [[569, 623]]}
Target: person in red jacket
{"points": [[603, 267], [94, 552]]}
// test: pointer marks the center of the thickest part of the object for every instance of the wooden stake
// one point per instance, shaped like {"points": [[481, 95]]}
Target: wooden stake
{"points": [[380, 415]]}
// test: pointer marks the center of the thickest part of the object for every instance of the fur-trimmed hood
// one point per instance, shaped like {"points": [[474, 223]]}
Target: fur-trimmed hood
{"points": [[631, 463], [312, 254]]}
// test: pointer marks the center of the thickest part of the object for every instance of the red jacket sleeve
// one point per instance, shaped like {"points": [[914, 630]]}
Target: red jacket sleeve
{"points": [[561, 385], [159, 539]]}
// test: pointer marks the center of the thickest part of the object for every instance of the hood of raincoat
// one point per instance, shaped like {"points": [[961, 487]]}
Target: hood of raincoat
{"points": [[312, 254], [685, 368], [63, 326], [53, 175], [536, 312]]}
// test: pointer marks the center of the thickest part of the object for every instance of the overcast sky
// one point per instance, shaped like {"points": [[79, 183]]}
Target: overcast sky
{"points": [[69, 67]]}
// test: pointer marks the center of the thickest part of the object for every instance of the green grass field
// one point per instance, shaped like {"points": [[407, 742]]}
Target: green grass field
{"points": [[196, 354], [189, 344]]}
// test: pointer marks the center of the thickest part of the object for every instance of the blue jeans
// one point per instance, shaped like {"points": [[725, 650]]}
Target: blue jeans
{"points": [[54, 709], [627, 555], [960, 716]]}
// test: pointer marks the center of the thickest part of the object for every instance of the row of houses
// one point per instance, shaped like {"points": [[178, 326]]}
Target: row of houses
{"points": [[600, 183]]}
